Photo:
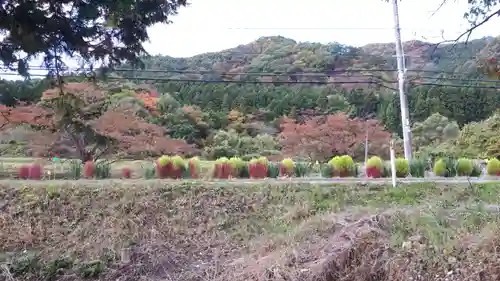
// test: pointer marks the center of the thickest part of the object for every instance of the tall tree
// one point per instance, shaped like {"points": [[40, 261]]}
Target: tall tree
{"points": [[93, 30]]}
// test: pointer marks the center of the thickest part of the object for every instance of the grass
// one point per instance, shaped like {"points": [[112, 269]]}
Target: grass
{"points": [[196, 231]]}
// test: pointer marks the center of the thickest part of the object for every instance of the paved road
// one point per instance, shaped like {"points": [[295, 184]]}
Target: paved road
{"points": [[310, 180]]}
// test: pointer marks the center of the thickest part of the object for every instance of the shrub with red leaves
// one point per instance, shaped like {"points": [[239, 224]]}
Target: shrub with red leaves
{"points": [[89, 169], [127, 173], [257, 170], [373, 172], [35, 172], [24, 172], [223, 170]]}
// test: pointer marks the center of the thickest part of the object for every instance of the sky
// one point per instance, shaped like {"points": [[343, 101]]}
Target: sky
{"points": [[210, 26]]}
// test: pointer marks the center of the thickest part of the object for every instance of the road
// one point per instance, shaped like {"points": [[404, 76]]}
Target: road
{"points": [[309, 180]]}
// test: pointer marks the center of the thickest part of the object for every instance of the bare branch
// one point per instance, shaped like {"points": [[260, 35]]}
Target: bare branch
{"points": [[468, 32]]}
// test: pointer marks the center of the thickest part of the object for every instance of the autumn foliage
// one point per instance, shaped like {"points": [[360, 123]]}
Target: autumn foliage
{"points": [[78, 121], [320, 138]]}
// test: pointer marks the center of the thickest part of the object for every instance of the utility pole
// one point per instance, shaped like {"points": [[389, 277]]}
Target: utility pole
{"points": [[405, 118]]}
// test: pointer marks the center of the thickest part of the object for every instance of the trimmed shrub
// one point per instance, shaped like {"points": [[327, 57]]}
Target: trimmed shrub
{"points": [[287, 168], [75, 169], [477, 171], [343, 165], [35, 172], [89, 169], [127, 173], [417, 167], [327, 170], [493, 167], [374, 167], [194, 167], [176, 167], [464, 167], [103, 169], [24, 172], [440, 168], [236, 164], [402, 167], [149, 170], [273, 170], [222, 168], [301, 169], [258, 168]]}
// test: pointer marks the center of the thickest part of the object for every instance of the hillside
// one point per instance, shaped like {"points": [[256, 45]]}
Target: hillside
{"points": [[278, 59]]}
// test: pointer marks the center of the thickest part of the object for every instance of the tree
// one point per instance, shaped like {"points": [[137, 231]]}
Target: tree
{"points": [[434, 130], [93, 30], [321, 138], [78, 119]]}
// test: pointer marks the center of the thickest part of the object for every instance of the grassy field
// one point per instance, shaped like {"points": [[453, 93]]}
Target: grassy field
{"points": [[187, 231]]}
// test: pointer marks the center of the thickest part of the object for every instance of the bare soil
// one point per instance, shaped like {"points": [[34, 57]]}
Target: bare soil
{"points": [[169, 231]]}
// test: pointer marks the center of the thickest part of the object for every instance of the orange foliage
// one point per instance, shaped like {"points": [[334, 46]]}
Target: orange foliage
{"points": [[150, 102], [321, 138], [131, 134], [136, 136]]}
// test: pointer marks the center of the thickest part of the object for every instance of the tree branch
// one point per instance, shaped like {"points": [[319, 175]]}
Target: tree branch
{"points": [[468, 32]]}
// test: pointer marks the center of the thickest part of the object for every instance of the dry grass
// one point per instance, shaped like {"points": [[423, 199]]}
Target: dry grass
{"points": [[168, 231]]}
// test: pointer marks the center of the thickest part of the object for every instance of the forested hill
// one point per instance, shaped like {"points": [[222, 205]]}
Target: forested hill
{"points": [[278, 55]]}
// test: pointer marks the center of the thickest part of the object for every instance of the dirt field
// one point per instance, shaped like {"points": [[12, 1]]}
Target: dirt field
{"points": [[261, 232]]}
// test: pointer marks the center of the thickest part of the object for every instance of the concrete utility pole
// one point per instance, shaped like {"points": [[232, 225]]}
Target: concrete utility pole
{"points": [[405, 118]]}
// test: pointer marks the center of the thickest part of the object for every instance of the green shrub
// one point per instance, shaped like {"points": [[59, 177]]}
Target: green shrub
{"points": [[493, 167], [103, 169], [244, 173], [288, 164], [375, 162], [237, 164], [148, 171], [327, 170], [464, 167], [386, 170], [273, 170], [417, 167], [301, 169], [477, 171], [75, 169], [402, 167], [445, 167]]}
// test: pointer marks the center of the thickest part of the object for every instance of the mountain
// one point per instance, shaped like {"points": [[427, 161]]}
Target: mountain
{"points": [[278, 59]]}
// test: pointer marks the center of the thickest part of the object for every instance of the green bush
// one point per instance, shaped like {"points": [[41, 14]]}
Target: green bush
{"points": [[440, 168], [103, 169], [327, 170], [477, 171], [464, 167], [402, 167], [375, 162], [493, 167], [148, 171], [273, 170], [386, 170], [417, 167], [445, 167], [75, 169], [301, 169]]}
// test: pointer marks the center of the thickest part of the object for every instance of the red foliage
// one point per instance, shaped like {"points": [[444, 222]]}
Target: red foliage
{"points": [[89, 169], [24, 172], [193, 170], [322, 137], [373, 172], [223, 171], [286, 172], [257, 171], [169, 171], [35, 172], [127, 173]]}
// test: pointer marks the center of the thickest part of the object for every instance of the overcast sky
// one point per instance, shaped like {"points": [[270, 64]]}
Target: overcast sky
{"points": [[214, 25]]}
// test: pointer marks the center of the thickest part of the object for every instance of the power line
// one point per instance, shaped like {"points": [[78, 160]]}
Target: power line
{"points": [[369, 80]]}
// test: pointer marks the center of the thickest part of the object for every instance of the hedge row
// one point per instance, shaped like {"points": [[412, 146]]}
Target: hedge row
{"points": [[175, 167]]}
